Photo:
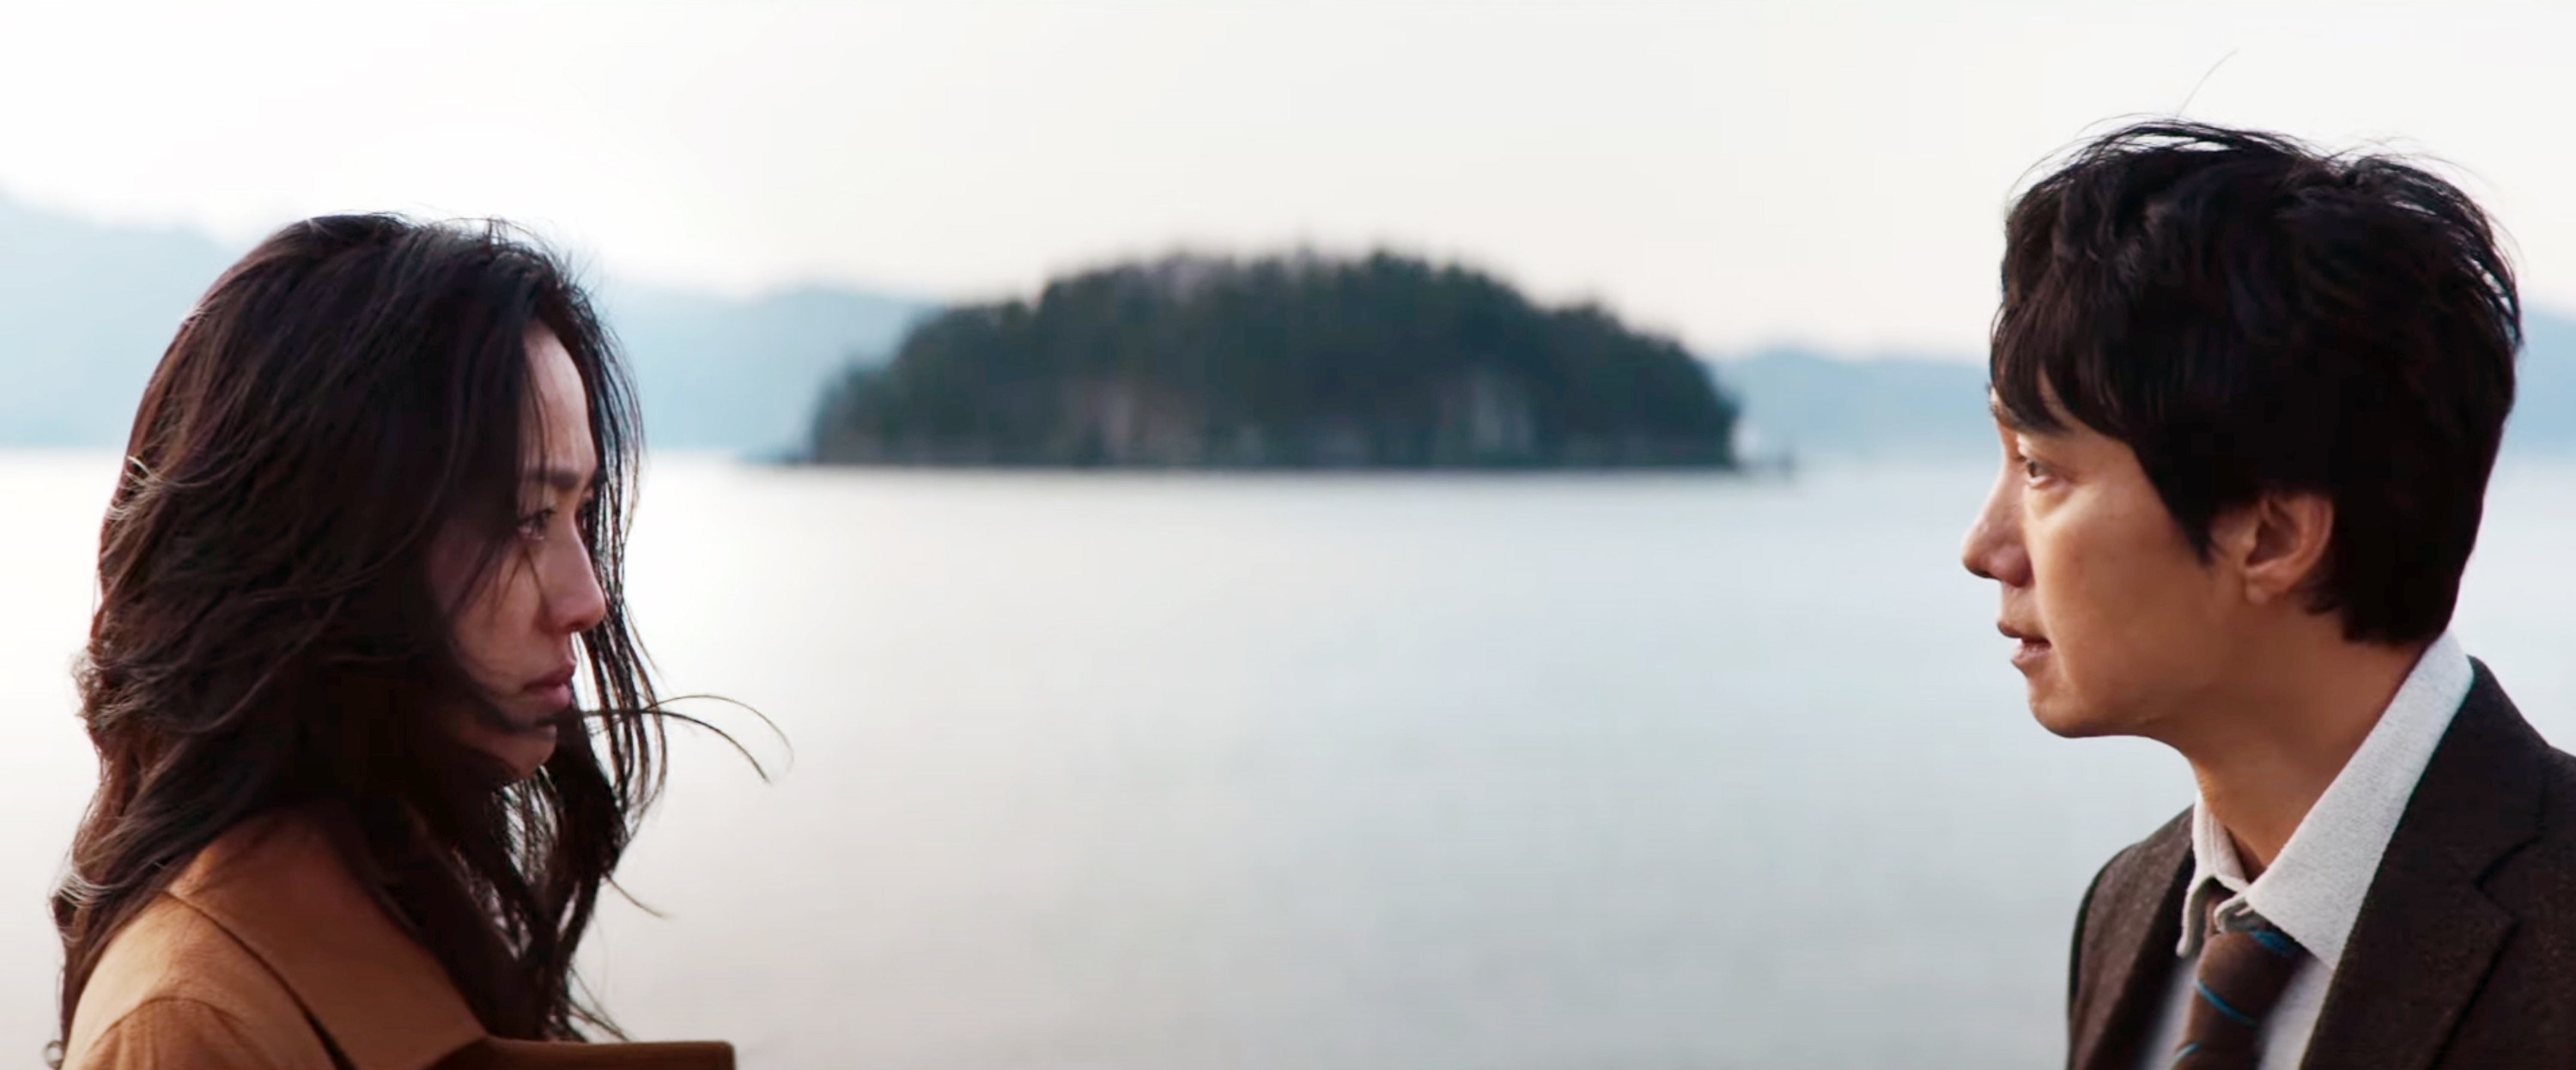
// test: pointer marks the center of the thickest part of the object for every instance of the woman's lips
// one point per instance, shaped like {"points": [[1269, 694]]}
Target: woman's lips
{"points": [[552, 691]]}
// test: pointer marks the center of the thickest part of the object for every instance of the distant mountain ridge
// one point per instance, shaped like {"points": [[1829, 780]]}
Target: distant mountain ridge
{"points": [[1811, 405], [1808, 404], [744, 376], [87, 308], [85, 311]]}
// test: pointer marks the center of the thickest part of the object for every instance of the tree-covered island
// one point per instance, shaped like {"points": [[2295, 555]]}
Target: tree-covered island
{"points": [[1295, 361]]}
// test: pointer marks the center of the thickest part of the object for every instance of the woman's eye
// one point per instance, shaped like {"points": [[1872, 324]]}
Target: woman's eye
{"points": [[2033, 470], [532, 527]]}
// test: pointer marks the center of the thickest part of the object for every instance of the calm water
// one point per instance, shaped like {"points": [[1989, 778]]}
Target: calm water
{"points": [[1179, 772]]}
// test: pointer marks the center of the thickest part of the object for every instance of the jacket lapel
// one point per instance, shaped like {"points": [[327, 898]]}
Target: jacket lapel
{"points": [[2125, 942], [2427, 935], [279, 886]]}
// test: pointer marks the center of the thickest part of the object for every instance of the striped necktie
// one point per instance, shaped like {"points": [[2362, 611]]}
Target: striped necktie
{"points": [[2244, 964]]}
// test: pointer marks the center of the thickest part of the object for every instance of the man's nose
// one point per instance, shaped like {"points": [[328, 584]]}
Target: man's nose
{"points": [[1993, 549]]}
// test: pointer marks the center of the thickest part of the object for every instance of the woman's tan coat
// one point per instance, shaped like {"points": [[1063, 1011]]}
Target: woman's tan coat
{"points": [[268, 953]]}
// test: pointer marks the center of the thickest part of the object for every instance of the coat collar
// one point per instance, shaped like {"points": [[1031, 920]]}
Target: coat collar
{"points": [[280, 885], [2135, 910], [2315, 887], [2428, 928]]}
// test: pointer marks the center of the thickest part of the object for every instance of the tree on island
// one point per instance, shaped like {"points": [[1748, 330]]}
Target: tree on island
{"points": [[1296, 361]]}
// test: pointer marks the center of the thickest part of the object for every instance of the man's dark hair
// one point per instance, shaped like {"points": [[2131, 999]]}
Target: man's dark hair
{"points": [[2252, 316]]}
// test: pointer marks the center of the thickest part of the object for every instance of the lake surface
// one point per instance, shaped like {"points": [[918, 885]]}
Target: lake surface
{"points": [[1167, 772]]}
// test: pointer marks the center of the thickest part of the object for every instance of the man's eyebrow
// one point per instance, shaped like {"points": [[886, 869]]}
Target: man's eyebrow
{"points": [[2004, 415]]}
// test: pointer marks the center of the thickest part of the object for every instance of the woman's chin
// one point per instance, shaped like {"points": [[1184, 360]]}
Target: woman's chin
{"points": [[528, 751], [520, 752]]}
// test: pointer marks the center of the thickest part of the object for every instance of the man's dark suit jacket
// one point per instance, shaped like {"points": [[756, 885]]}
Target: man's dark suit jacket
{"points": [[2464, 954]]}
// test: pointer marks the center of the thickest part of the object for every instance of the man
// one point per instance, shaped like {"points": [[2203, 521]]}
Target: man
{"points": [[2249, 396]]}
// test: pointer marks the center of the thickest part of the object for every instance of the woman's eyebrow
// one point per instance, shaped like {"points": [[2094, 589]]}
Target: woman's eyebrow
{"points": [[564, 480]]}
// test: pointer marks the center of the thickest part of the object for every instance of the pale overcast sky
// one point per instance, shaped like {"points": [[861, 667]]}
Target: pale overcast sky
{"points": [[1737, 174]]}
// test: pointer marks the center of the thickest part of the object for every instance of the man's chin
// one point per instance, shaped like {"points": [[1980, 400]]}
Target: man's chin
{"points": [[2069, 719]]}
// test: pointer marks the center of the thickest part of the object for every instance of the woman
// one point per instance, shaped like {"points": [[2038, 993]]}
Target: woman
{"points": [[365, 543]]}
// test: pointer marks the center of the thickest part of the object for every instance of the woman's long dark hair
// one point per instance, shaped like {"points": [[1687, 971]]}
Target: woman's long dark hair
{"points": [[266, 634]]}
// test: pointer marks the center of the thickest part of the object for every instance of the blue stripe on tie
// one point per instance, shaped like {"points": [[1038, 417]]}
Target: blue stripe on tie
{"points": [[2276, 942], [2234, 1015], [2187, 1051]]}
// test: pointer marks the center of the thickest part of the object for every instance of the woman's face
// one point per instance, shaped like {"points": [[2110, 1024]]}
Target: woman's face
{"points": [[517, 628]]}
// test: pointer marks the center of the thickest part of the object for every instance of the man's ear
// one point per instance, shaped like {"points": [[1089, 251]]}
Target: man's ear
{"points": [[2276, 544]]}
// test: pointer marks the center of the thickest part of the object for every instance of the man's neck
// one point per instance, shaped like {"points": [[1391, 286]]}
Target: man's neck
{"points": [[2266, 752]]}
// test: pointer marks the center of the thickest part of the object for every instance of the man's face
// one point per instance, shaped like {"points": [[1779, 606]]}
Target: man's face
{"points": [[2119, 625]]}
